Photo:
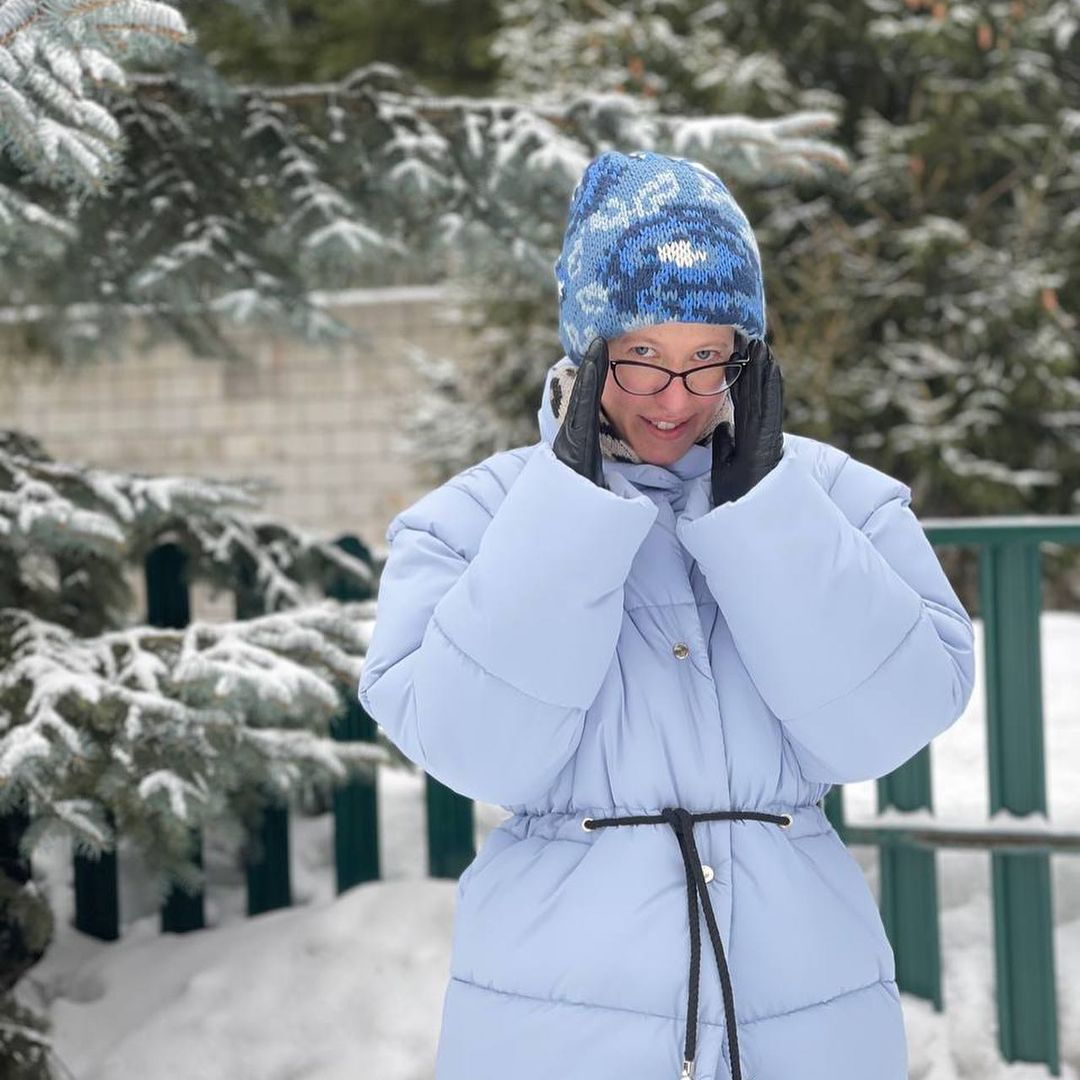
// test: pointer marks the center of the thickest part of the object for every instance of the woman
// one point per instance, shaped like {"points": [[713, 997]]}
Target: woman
{"points": [[658, 651]]}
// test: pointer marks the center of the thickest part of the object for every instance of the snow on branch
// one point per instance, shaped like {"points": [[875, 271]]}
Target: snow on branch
{"points": [[72, 511], [168, 727], [53, 55]]}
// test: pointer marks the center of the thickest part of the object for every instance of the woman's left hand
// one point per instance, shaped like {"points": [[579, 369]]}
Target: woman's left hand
{"points": [[758, 399]]}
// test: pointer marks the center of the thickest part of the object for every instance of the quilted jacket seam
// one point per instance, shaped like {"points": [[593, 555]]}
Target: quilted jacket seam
{"points": [[941, 609], [669, 604], [817, 1004], [464, 488], [836, 475], [664, 1016], [896, 648], [577, 1004], [498, 480], [491, 674], [904, 498], [462, 481], [429, 531]]}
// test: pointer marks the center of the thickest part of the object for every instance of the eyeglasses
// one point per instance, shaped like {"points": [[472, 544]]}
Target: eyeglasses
{"points": [[637, 377]]}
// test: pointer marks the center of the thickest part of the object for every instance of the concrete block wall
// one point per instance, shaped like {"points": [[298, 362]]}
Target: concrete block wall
{"points": [[319, 422]]}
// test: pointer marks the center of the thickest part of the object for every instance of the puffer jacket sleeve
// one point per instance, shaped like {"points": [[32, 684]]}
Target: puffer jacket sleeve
{"points": [[840, 611], [494, 630]]}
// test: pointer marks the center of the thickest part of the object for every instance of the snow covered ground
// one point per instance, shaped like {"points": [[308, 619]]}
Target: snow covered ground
{"points": [[343, 987]]}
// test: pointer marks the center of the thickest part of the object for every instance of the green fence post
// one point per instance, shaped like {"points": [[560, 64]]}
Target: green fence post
{"points": [[908, 877], [267, 861], [1010, 587], [19, 950], [168, 604], [450, 833], [183, 910], [356, 802], [266, 853], [97, 895], [356, 807]]}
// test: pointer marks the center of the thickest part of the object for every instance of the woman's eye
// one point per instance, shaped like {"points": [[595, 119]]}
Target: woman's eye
{"points": [[633, 347], [700, 351]]}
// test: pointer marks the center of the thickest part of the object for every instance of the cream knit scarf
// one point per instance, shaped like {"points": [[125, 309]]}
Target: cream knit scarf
{"points": [[612, 444]]}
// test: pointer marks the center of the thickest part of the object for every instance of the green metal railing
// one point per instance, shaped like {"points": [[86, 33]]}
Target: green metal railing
{"points": [[1009, 592], [1010, 578], [266, 850]]}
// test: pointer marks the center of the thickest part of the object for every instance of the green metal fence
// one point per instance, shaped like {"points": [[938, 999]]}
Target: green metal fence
{"points": [[266, 851], [1010, 600], [1010, 579]]}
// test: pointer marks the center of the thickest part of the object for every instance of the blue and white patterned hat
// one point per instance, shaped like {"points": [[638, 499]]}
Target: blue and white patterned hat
{"points": [[653, 239]]}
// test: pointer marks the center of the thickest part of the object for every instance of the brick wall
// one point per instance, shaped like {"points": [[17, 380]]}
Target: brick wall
{"points": [[320, 422]]}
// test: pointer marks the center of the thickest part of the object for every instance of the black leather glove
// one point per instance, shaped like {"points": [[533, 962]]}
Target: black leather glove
{"points": [[577, 442], [758, 398]]}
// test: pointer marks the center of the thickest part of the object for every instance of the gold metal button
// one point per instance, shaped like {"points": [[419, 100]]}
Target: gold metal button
{"points": [[680, 650]]}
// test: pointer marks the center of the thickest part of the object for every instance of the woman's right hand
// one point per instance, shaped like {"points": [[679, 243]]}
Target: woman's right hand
{"points": [[577, 442]]}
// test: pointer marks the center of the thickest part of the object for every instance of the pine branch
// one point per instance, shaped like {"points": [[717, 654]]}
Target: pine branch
{"points": [[84, 516], [166, 729]]}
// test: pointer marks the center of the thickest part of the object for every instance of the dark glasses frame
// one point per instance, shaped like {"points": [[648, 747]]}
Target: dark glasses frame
{"points": [[742, 351]]}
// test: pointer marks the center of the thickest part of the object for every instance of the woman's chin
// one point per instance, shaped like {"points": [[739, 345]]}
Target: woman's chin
{"points": [[665, 456]]}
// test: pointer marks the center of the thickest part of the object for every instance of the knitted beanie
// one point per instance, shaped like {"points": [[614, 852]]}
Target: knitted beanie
{"points": [[653, 239]]}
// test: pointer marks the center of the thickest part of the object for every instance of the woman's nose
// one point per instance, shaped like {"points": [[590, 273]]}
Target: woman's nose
{"points": [[675, 398]]}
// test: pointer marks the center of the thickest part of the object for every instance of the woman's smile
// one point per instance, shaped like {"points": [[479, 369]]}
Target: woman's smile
{"points": [[666, 433]]}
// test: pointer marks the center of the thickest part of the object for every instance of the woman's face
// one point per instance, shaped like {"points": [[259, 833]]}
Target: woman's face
{"points": [[678, 346]]}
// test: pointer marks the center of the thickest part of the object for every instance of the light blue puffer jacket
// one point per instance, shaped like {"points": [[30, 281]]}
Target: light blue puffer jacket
{"points": [[570, 653]]}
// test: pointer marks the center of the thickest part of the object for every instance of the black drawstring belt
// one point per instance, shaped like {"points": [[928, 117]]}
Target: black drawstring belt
{"points": [[682, 821]]}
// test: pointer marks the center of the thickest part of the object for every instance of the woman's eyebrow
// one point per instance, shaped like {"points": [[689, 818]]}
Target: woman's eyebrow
{"points": [[641, 339]]}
